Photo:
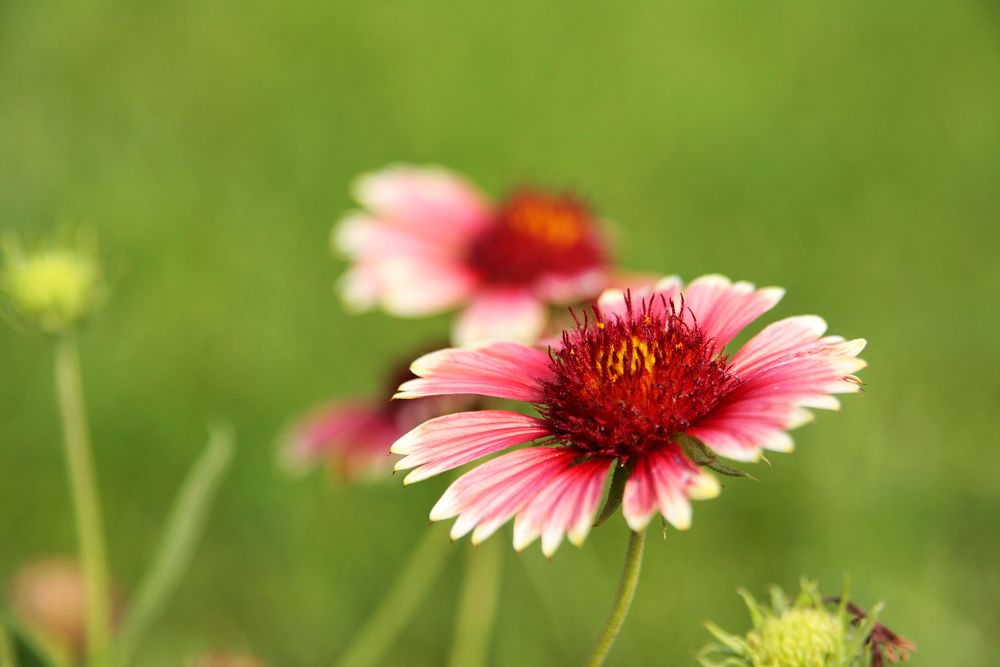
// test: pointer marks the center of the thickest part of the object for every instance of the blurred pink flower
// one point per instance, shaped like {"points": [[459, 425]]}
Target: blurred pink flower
{"points": [[48, 597], [353, 436], [621, 387], [428, 241]]}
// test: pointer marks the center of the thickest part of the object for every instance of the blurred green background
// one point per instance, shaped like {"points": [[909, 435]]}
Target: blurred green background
{"points": [[849, 151]]}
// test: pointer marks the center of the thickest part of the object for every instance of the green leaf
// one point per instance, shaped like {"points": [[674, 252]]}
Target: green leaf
{"points": [[702, 455], [20, 648], [184, 527], [615, 492], [756, 615], [733, 643], [779, 601]]}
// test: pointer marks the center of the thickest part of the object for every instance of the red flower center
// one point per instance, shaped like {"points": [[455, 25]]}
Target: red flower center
{"points": [[627, 384], [537, 234]]}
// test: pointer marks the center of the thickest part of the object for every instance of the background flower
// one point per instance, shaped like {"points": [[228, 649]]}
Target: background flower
{"points": [[353, 436], [807, 631], [47, 597], [428, 241]]}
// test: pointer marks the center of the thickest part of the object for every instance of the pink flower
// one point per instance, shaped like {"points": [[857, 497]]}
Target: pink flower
{"points": [[353, 436], [620, 388], [428, 241]]}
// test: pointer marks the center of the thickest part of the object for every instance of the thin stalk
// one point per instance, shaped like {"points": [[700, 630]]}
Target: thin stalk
{"points": [[184, 527], [477, 605], [7, 658], [86, 501], [623, 600], [399, 605]]}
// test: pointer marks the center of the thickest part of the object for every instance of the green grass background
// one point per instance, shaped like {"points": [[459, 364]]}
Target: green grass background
{"points": [[849, 151]]}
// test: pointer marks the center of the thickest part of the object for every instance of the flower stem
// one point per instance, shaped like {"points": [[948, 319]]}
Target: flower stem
{"points": [[383, 626], [623, 600], [477, 605], [86, 502], [6, 649], [184, 527]]}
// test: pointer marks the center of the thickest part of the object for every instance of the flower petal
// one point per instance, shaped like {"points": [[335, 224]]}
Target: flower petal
{"points": [[777, 340], [486, 497], [426, 198], [658, 294], [568, 288], [503, 370], [740, 429], [353, 435], [501, 314], [567, 505], [723, 309], [453, 440], [664, 479], [360, 236], [787, 367], [407, 286]]}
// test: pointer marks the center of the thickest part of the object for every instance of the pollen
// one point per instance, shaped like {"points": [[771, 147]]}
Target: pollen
{"points": [[554, 221], [629, 383], [536, 234]]}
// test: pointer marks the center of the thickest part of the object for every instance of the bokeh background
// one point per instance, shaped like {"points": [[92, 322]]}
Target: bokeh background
{"points": [[849, 151]]}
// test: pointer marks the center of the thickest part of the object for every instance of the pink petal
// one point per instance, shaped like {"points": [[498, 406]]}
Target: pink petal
{"points": [[408, 286], [723, 309], [785, 368], [739, 430], [567, 505], [503, 370], [354, 435], [664, 480], [360, 236], [359, 289], [668, 289], [789, 360], [777, 340], [489, 495], [409, 249], [453, 440], [428, 198], [559, 288], [657, 294], [501, 314]]}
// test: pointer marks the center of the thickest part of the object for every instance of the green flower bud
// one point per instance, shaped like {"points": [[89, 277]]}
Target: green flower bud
{"points": [[52, 288], [804, 632], [797, 638]]}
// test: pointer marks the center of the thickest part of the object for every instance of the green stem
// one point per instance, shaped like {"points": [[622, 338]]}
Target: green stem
{"points": [[402, 601], [7, 658], [86, 502], [477, 606], [623, 600], [184, 527]]}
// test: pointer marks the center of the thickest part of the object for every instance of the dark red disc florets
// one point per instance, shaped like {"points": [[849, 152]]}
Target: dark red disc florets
{"points": [[537, 234], [624, 385]]}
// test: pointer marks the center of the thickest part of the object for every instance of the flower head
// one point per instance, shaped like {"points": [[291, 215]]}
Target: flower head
{"points": [[52, 288], [428, 241], [48, 597], [804, 632], [645, 384], [353, 436]]}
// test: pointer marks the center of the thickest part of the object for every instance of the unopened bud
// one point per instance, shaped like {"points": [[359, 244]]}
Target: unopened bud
{"points": [[52, 288]]}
